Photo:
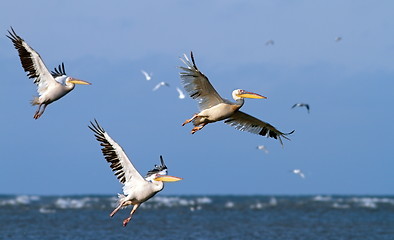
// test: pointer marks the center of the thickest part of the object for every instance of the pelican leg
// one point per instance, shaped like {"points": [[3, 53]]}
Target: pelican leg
{"points": [[116, 210], [38, 113], [189, 120], [127, 220], [197, 128]]}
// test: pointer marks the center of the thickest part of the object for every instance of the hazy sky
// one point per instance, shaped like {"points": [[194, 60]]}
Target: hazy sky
{"points": [[344, 146]]}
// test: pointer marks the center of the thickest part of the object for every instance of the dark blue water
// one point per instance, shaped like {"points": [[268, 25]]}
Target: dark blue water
{"points": [[199, 217]]}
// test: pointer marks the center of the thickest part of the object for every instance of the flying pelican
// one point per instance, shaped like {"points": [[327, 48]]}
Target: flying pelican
{"points": [[136, 189], [50, 85], [160, 84], [147, 76], [214, 108], [181, 94], [301, 105], [298, 172]]}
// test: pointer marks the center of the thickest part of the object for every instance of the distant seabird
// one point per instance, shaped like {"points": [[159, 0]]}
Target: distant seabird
{"points": [[263, 148], [147, 76], [160, 84], [181, 94], [301, 105], [298, 172], [269, 42]]}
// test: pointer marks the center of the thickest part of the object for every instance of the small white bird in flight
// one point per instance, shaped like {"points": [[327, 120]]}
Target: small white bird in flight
{"points": [[301, 105], [147, 75], [136, 189], [181, 94], [263, 148], [298, 172], [160, 84]]}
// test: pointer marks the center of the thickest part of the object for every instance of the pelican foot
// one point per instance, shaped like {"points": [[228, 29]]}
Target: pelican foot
{"points": [[37, 115], [186, 122], [126, 221], [198, 128], [189, 120]]}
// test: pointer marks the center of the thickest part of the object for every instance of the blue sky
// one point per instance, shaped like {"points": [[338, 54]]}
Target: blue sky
{"points": [[343, 145]]}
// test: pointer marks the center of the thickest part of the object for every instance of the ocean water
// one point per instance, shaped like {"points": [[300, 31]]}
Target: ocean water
{"points": [[199, 217]]}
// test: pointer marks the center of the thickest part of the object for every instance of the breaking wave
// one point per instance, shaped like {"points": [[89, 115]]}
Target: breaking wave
{"points": [[52, 204], [18, 200]]}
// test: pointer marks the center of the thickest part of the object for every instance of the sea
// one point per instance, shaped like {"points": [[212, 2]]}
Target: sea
{"points": [[317, 217]]}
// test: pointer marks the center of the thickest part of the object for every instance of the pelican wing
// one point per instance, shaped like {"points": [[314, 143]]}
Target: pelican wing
{"points": [[197, 85], [114, 154], [59, 71], [245, 122], [32, 63]]}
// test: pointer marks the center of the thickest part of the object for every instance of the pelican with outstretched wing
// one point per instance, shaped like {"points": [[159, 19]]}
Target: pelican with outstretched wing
{"points": [[51, 86], [214, 108], [136, 189]]}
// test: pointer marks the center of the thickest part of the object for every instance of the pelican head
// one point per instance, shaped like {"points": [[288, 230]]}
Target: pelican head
{"points": [[239, 94], [159, 173]]}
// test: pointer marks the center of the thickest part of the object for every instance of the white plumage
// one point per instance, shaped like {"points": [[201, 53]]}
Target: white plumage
{"points": [[214, 108], [298, 172], [51, 86], [160, 84], [136, 189], [147, 76], [181, 94]]}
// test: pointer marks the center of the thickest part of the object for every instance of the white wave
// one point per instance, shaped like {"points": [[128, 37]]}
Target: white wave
{"points": [[374, 200], [178, 201], [229, 204], [258, 205], [340, 206], [19, 200], [366, 202], [273, 201], [204, 200], [65, 203], [322, 198], [196, 208], [45, 210]]}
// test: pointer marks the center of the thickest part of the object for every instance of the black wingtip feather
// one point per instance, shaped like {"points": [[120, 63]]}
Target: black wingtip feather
{"points": [[192, 57]]}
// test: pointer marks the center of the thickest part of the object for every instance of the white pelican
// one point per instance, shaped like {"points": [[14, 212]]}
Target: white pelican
{"points": [[160, 84], [136, 189], [50, 85], [214, 108], [301, 105], [147, 75], [181, 94], [298, 172]]}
